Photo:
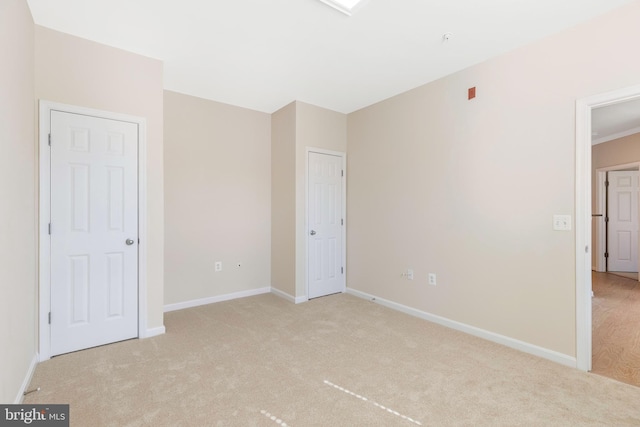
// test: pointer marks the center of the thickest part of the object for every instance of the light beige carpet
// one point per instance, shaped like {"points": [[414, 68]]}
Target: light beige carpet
{"points": [[633, 276], [334, 361]]}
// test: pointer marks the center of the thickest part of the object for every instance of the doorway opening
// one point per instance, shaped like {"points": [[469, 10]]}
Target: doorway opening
{"points": [[584, 112]]}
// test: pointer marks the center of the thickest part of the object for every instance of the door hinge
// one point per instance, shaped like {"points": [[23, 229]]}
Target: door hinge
{"points": [[341, 270], [342, 221], [49, 140], [342, 172], [49, 317], [606, 254], [606, 183], [49, 228], [606, 219]]}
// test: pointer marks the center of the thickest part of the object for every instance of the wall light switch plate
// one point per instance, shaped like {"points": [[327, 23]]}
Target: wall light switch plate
{"points": [[562, 222]]}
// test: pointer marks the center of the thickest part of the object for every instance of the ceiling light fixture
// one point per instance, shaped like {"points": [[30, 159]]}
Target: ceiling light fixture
{"points": [[446, 37], [347, 7]]}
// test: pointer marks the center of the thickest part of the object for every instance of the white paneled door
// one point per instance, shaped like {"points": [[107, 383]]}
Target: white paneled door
{"points": [[622, 229], [94, 231], [325, 225]]}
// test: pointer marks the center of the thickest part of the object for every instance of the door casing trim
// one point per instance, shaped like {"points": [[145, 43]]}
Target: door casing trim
{"points": [[44, 210]]}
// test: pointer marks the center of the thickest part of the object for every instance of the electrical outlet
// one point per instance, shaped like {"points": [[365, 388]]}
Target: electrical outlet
{"points": [[432, 279], [218, 266]]}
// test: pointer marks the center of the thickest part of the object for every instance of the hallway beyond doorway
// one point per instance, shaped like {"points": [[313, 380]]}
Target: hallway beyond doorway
{"points": [[616, 335]]}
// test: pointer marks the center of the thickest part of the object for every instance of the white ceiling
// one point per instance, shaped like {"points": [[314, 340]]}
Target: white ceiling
{"points": [[615, 121], [263, 54]]}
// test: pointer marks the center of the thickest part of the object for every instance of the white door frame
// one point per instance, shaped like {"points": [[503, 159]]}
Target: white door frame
{"points": [[584, 106], [600, 226], [44, 241], [342, 155]]}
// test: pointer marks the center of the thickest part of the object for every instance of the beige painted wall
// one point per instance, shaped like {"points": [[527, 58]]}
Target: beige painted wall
{"points": [[79, 72], [18, 334], [283, 199], [467, 189], [217, 198], [611, 153], [617, 152]]}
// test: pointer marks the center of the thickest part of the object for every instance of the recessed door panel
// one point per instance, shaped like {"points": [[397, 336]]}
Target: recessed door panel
{"points": [[115, 143], [79, 290], [78, 139], [115, 198], [79, 195], [115, 285]]}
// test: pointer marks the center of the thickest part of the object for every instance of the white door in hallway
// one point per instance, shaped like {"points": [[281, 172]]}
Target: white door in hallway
{"points": [[325, 225], [94, 231], [623, 221]]}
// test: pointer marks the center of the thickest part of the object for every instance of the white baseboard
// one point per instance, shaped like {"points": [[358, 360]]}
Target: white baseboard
{"points": [[290, 298], [525, 347], [27, 379], [219, 298], [152, 332]]}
